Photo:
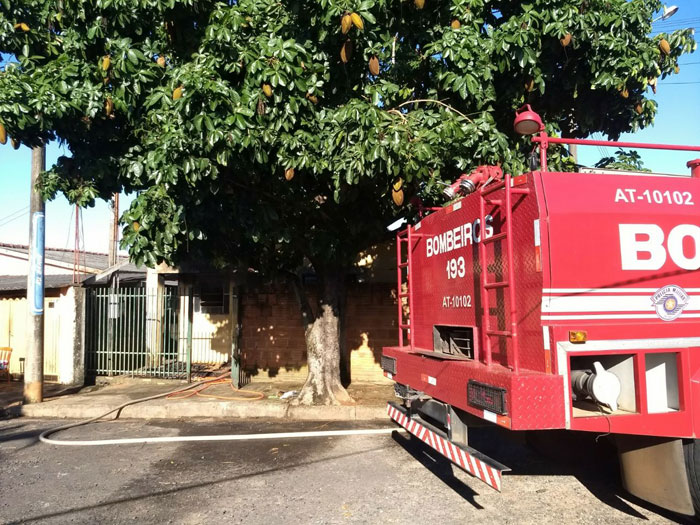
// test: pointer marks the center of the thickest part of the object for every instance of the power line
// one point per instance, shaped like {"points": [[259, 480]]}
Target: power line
{"points": [[602, 150], [674, 27], [14, 216], [14, 219], [70, 221], [677, 21], [671, 29], [14, 213], [675, 24]]}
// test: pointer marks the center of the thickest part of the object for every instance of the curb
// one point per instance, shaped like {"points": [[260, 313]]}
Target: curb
{"points": [[219, 409]]}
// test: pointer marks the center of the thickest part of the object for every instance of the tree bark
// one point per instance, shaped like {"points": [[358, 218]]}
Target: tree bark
{"points": [[323, 385]]}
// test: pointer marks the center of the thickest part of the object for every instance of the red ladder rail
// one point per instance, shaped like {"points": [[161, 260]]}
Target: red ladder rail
{"points": [[409, 238], [403, 238], [399, 280], [506, 236]]}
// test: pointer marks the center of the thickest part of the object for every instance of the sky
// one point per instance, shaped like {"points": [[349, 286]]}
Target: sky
{"points": [[60, 215], [677, 122]]}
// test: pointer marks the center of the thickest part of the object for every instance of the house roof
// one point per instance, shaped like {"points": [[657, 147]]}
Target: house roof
{"points": [[16, 283], [92, 265], [93, 262]]}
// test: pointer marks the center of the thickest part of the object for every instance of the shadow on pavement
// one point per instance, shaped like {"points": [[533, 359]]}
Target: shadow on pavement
{"points": [[12, 393], [190, 486], [437, 465], [592, 462], [21, 435]]}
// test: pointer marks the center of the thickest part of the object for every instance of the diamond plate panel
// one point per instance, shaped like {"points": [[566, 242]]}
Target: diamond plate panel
{"points": [[535, 400], [451, 236]]}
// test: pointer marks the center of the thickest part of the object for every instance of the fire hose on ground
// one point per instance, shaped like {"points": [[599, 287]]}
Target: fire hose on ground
{"points": [[44, 436]]}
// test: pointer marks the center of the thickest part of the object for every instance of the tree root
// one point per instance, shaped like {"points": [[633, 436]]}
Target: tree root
{"points": [[313, 393]]}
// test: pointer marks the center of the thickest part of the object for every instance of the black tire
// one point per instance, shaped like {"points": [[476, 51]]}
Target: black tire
{"points": [[691, 452]]}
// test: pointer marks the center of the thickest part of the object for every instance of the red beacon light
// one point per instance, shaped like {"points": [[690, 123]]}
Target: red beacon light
{"points": [[694, 166], [527, 122]]}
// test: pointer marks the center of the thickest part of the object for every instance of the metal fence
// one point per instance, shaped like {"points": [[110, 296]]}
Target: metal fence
{"points": [[128, 332]]}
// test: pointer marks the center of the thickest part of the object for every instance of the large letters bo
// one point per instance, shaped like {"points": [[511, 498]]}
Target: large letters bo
{"points": [[648, 239]]}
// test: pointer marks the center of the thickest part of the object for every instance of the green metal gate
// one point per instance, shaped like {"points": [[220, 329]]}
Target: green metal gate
{"points": [[128, 332]]}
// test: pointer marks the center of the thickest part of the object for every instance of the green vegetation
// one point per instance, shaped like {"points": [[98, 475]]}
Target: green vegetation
{"points": [[623, 160], [265, 133]]}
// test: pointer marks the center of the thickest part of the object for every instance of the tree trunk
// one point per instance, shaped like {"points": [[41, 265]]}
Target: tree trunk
{"points": [[322, 330]]}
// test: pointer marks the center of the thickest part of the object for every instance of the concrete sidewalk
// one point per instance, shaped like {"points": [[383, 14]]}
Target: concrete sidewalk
{"points": [[92, 401]]}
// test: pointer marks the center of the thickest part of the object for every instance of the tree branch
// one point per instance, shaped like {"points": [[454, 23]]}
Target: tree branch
{"points": [[436, 102]]}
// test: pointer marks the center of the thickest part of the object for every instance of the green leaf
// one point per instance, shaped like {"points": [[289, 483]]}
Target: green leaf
{"points": [[131, 55], [208, 123]]}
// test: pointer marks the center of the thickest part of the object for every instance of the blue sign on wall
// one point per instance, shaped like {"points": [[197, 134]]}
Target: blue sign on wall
{"points": [[35, 288]]}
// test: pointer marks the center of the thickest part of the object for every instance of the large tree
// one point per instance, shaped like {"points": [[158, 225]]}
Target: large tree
{"points": [[271, 132]]}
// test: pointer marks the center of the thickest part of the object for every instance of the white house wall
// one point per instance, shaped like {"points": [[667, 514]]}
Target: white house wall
{"points": [[62, 335], [211, 334], [12, 265]]}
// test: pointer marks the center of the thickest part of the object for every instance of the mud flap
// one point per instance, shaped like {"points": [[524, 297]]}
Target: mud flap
{"points": [[653, 469], [468, 459]]}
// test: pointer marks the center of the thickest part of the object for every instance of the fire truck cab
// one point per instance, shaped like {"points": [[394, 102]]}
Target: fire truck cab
{"points": [[554, 300]]}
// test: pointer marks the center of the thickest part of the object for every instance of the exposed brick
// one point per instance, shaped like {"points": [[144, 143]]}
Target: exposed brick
{"points": [[272, 311]]}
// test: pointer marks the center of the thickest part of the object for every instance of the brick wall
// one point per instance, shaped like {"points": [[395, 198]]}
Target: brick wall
{"points": [[272, 336]]}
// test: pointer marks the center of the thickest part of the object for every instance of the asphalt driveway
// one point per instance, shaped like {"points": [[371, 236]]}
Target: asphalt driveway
{"points": [[364, 479]]}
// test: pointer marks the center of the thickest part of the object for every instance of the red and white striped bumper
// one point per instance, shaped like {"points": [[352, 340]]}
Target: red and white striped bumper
{"points": [[457, 454]]}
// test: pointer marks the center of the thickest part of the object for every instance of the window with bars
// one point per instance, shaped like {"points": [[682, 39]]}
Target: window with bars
{"points": [[212, 297]]}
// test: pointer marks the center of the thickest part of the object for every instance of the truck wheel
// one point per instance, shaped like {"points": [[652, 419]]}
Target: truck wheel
{"points": [[691, 452]]}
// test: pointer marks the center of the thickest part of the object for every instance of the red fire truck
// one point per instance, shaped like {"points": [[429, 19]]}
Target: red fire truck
{"points": [[556, 300]]}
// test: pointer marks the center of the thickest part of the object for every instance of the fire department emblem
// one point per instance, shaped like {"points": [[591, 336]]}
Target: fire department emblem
{"points": [[669, 302]]}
